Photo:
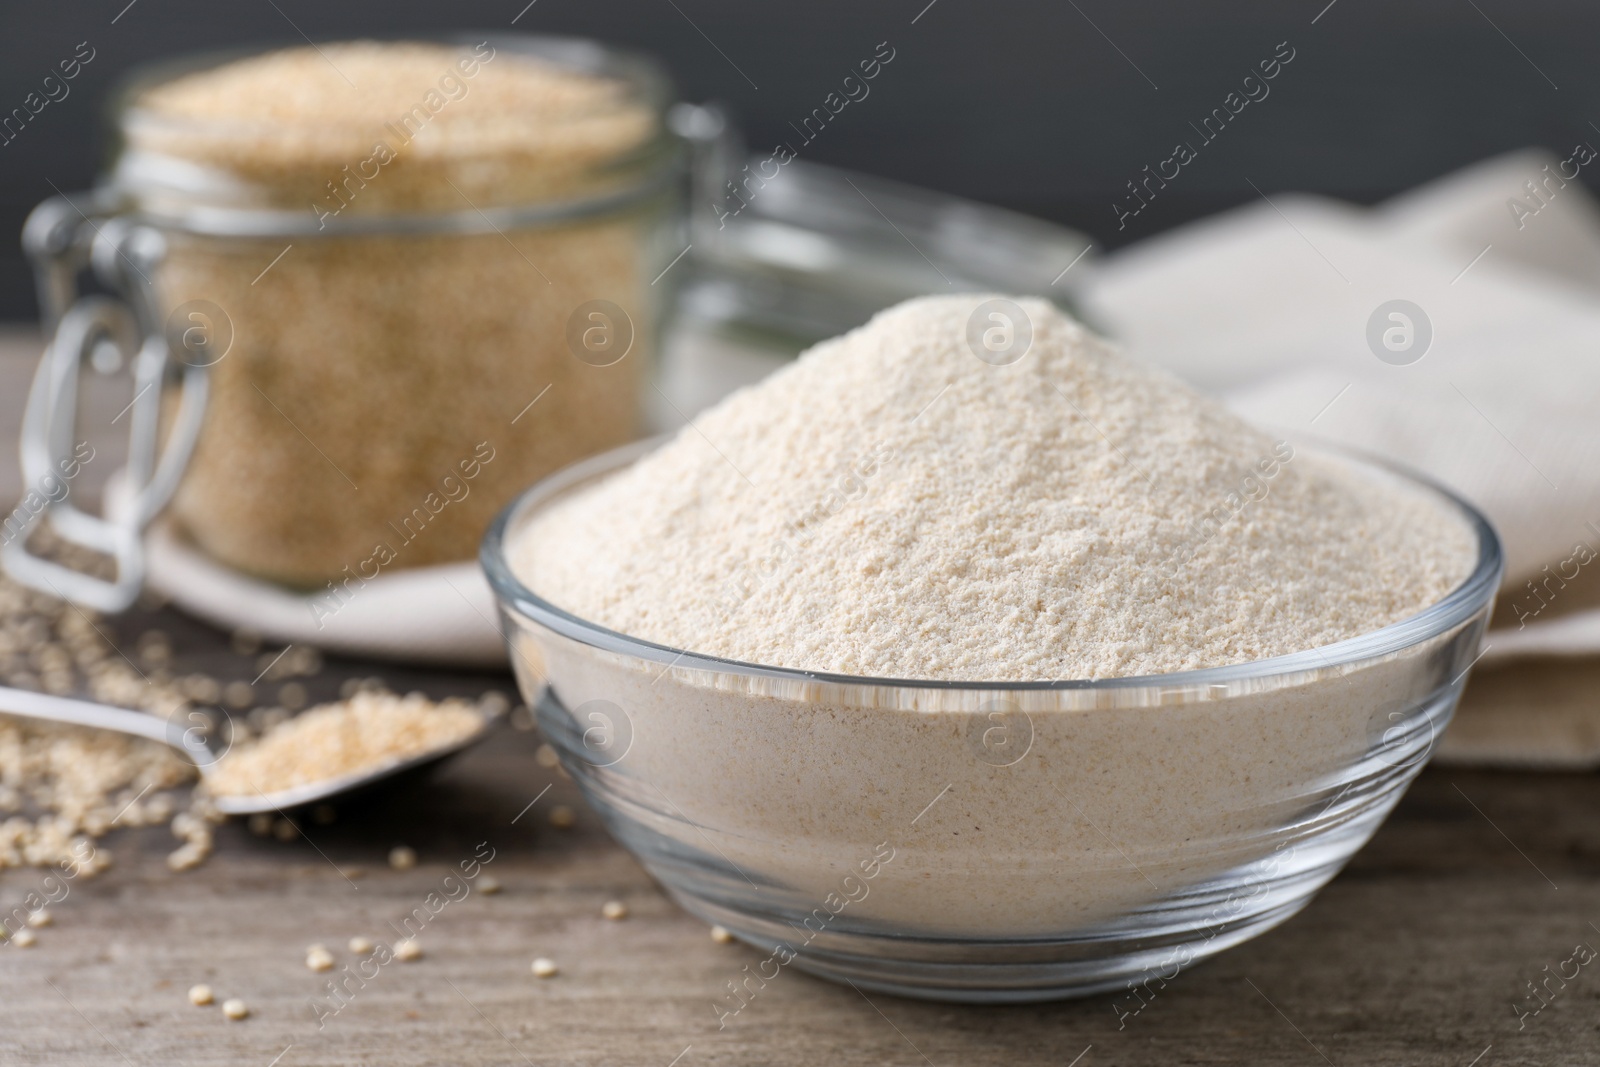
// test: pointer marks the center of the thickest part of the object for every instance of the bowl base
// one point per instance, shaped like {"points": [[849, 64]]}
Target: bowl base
{"points": [[1135, 952], [1022, 971]]}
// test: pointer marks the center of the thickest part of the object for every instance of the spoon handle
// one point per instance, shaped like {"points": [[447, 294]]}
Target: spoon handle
{"points": [[28, 704]]}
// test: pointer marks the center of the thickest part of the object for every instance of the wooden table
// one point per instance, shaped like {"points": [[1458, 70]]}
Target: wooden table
{"points": [[1418, 954]]}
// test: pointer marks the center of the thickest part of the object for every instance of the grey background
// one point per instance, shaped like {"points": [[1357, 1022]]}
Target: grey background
{"points": [[1023, 103]]}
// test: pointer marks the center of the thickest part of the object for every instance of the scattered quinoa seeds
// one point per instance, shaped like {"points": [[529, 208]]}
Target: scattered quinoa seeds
{"points": [[40, 917], [260, 823], [76, 785], [563, 817], [235, 1009], [402, 857], [195, 833], [61, 787], [261, 720], [201, 688], [318, 958], [488, 884], [159, 807], [361, 945], [407, 950], [720, 935], [307, 661], [200, 995], [24, 938], [545, 756], [284, 830], [545, 968], [155, 648], [184, 858], [615, 910]]}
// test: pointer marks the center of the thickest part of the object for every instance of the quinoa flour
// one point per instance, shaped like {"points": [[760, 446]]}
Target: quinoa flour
{"points": [[892, 506]]}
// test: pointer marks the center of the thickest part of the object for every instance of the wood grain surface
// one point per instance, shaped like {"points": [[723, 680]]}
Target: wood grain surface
{"points": [[1420, 953], [1417, 954]]}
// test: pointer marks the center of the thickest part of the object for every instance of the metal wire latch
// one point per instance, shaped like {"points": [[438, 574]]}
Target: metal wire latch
{"points": [[64, 236]]}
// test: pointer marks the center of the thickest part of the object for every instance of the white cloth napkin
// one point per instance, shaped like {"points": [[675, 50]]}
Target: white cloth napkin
{"points": [[1270, 306], [438, 616]]}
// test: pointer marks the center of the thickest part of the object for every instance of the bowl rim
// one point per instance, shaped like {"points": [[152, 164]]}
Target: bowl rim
{"points": [[1476, 591]]}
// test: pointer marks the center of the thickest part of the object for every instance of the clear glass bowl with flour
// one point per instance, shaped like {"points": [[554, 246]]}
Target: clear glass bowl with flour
{"points": [[958, 835]]}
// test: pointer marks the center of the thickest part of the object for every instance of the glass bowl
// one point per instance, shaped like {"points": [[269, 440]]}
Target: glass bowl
{"points": [[987, 841]]}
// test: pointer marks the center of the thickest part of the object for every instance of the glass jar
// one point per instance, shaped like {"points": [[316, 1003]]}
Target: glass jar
{"points": [[372, 290]]}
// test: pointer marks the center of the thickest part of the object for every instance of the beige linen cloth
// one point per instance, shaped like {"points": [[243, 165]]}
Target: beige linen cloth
{"points": [[1269, 305]]}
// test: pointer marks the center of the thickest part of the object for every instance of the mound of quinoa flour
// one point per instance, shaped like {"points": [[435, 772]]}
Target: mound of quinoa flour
{"points": [[891, 505]]}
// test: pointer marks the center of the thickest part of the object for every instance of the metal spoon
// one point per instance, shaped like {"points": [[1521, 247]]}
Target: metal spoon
{"points": [[199, 745]]}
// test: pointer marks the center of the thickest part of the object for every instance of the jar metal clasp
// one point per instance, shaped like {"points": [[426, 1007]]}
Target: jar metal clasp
{"points": [[64, 236]]}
